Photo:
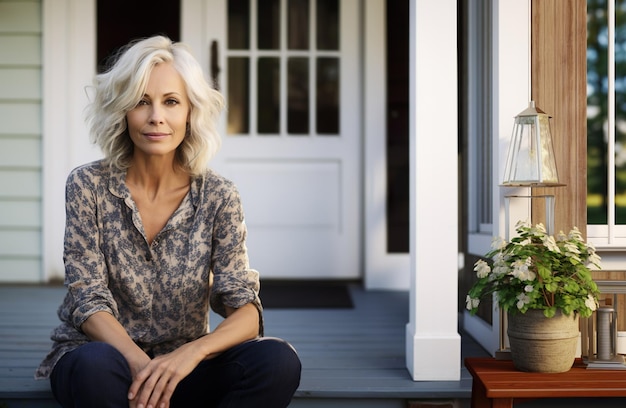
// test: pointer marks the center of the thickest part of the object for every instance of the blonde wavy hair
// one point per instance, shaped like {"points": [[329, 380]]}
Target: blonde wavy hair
{"points": [[120, 89]]}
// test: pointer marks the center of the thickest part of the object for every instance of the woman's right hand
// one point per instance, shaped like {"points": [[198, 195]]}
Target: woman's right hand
{"points": [[102, 326]]}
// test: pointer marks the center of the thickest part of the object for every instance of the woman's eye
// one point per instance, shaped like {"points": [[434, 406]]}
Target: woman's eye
{"points": [[142, 102], [171, 102]]}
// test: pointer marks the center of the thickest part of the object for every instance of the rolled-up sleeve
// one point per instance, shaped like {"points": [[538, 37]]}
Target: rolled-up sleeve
{"points": [[85, 266], [235, 284]]}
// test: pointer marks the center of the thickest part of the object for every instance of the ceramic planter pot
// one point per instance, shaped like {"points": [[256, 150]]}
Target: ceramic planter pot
{"points": [[542, 344]]}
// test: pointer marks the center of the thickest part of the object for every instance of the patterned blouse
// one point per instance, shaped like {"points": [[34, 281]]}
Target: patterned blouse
{"points": [[159, 292]]}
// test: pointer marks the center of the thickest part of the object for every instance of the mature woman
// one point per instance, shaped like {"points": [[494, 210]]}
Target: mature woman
{"points": [[152, 239]]}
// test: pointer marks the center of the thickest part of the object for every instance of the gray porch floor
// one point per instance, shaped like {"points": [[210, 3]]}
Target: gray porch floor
{"points": [[351, 357], [347, 354]]}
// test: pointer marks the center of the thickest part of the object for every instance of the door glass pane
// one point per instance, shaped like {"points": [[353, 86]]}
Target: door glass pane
{"points": [[298, 28], [397, 142], [327, 25], [238, 24], [268, 24], [327, 104], [298, 95], [268, 103], [238, 95]]}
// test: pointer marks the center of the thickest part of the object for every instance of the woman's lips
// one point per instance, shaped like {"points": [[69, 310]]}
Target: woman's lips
{"points": [[155, 135]]}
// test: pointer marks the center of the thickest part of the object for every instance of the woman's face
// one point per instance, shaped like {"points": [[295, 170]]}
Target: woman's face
{"points": [[157, 125]]}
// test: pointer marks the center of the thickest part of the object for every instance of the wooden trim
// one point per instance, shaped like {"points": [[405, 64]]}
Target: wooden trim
{"points": [[559, 81], [559, 87]]}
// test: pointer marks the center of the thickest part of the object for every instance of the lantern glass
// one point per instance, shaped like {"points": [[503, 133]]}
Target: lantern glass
{"points": [[530, 160]]}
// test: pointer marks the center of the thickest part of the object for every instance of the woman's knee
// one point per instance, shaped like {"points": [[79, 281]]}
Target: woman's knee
{"points": [[97, 359], [279, 359], [91, 374]]}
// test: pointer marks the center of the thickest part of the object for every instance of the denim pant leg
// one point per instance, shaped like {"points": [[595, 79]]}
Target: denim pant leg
{"points": [[261, 373], [92, 376]]}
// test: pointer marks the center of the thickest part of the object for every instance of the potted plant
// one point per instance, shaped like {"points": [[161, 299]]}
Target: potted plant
{"points": [[544, 284]]}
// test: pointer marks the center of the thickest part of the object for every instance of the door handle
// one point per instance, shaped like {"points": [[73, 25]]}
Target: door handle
{"points": [[215, 65]]}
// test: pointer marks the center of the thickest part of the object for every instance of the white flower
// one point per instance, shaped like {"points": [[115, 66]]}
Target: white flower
{"points": [[575, 234], [572, 248], [540, 229], [522, 299], [573, 257], [498, 243], [471, 303], [482, 268], [594, 259], [499, 270], [550, 243], [591, 302], [528, 288], [521, 271]]}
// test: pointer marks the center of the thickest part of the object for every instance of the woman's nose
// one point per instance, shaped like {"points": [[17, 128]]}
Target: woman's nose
{"points": [[156, 115]]}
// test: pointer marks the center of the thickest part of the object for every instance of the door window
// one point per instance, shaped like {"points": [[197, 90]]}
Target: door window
{"points": [[293, 57]]}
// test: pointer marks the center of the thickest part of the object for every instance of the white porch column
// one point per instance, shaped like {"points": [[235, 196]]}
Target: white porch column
{"points": [[433, 345]]}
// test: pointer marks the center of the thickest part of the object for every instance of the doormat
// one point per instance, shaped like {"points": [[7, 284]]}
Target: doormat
{"points": [[281, 294]]}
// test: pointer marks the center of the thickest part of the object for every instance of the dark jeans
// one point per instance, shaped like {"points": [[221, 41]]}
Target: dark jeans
{"points": [[258, 373]]}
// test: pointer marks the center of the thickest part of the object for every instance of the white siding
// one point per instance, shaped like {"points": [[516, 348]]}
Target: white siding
{"points": [[20, 141]]}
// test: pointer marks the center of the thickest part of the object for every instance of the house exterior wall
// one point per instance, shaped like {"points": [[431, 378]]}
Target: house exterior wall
{"points": [[20, 140]]}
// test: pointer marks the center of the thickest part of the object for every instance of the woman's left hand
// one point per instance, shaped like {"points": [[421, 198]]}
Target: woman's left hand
{"points": [[154, 386]]}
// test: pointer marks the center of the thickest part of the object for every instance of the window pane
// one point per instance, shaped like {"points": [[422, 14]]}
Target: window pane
{"points": [[268, 24], [327, 104], [620, 112], [397, 142], [327, 25], [597, 77], [298, 96], [268, 95], [298, 29], [238, 95], [238, 24]]}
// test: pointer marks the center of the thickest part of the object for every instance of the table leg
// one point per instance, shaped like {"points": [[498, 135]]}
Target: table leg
{"points": [[479, 395], [502, 403]]}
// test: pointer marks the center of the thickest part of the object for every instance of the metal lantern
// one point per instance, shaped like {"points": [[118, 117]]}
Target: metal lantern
{"points": [[530, 160]]}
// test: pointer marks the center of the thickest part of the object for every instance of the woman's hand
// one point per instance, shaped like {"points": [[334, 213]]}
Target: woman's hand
{"points": [[154, 385]]}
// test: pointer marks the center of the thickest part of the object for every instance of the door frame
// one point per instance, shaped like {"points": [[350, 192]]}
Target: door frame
{"points": [[69, 62]]}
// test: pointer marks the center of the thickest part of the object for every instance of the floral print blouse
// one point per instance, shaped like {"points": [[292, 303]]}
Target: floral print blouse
{"points": [[159, 292]]}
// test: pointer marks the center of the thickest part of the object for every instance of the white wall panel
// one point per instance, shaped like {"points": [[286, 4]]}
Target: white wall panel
{"points": [[23, 243], [20, 16], [20, 118], [20, 141], [20, 84], [20, 270], [20, 152], [20, 183], [20, 214], [22, 50]]}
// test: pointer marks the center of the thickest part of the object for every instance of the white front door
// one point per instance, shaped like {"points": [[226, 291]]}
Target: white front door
{"points": [[290, 72]]}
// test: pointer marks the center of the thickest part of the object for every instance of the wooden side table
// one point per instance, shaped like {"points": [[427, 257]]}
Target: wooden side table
{"points": [[496, 383]]}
